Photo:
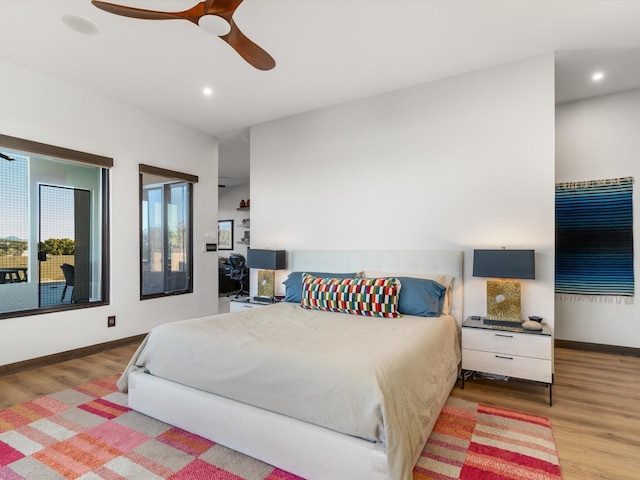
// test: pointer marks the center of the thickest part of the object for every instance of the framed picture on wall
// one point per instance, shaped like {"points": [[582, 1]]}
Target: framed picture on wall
{"points": [[225, 234]]}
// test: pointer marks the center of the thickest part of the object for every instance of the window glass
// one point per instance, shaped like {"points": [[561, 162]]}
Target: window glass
{"points": [[166, 232], [14, 212], [53, 232]]}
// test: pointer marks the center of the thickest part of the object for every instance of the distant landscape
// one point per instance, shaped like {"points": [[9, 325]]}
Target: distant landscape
{"points": [[59, 250], [12, 246]]}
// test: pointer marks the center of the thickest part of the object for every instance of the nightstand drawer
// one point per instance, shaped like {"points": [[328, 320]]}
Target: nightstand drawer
{"points": [[507, 365], [506, 342]]}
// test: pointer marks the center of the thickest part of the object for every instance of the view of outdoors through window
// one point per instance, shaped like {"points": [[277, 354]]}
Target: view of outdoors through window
{"points": [[63, 212], [14, 212], [166, 236], [50, 232]]}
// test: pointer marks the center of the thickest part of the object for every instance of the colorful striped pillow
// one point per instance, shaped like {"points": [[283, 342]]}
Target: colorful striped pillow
{"points": [[375, 297]]}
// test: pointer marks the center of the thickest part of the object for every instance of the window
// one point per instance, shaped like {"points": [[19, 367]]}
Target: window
{"points": [[166, 232], [53, 228]]}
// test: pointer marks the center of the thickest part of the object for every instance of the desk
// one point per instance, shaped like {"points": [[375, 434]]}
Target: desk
{"points": [[13, 275]]}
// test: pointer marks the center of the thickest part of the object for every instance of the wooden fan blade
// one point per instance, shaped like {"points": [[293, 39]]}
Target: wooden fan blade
{"points": [[248, 50], [217, 7], [137, 12]]}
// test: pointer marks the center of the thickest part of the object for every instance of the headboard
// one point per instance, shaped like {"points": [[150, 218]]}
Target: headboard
{"points": [[401, 261]]}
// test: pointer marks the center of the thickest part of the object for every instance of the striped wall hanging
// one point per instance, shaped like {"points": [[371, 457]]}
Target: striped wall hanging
{"points": [[594, 240]]}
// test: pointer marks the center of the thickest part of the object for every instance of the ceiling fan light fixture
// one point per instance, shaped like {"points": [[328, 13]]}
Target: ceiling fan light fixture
{"points": [[214, 24], [220, 24]]}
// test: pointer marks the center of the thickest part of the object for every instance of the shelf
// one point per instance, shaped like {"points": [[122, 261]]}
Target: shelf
{"points": [[243, 209], [240, 242]]}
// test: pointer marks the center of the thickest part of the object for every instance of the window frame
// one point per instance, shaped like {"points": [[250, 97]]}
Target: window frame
{"points": [[52, 152], [169, 175]]}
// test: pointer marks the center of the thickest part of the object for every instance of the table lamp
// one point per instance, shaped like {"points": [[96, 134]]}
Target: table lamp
{"points": [[267, 261], [503, 295]]}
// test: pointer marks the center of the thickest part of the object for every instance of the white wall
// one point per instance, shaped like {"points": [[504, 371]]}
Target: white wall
{"points": [[462, 163], [229, 199], [43, 109], [598, 139]]}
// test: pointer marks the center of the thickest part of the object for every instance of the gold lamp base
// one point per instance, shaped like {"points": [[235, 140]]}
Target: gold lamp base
{"points": [[266, 283], [503, 300]]}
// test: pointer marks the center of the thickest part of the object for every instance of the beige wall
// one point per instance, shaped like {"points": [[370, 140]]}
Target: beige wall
{"points": [[44, 109], [598, 139], [462, 163]]}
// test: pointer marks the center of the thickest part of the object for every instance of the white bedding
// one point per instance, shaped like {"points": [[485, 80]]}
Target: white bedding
{"points": [[372, 378]]}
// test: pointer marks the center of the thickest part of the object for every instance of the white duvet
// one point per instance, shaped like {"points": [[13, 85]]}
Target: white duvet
{"points": [[373, 378]]}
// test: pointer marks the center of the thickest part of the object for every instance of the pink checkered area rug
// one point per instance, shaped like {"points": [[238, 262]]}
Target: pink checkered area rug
{"points": [[89, 433]]}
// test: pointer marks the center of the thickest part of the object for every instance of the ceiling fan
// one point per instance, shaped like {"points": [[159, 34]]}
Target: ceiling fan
{"points": [[215, 16]]}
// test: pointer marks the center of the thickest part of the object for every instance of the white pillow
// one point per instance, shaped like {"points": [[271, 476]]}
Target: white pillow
{"points": [[445, 280]]}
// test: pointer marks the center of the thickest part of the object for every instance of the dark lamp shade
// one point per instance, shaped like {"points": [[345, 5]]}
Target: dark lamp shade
{"points": [[504, 264], [267, 259]]}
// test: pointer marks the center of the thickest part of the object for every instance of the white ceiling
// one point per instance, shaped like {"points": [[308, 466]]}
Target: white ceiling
{"points": [[326, 52]]}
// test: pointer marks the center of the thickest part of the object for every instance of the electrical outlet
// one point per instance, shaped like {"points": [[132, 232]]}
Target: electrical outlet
{"points": [[111, 321]]}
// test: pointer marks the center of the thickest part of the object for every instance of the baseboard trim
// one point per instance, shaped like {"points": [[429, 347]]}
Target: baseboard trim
{"points": [[39, 362], [598, 347]]}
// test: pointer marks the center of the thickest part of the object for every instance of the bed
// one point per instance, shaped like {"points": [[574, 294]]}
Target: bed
{"points": [[323, 395]]}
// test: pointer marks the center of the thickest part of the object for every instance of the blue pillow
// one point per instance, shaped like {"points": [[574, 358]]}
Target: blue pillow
{"points": [[421, 297], [293, 283]]}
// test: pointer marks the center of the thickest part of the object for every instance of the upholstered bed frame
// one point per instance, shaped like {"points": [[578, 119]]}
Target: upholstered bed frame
{"points": [[309, 451]]}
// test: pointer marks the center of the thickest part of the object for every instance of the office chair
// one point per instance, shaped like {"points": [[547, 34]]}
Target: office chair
{"points": [[69, 279], [240, 273]]}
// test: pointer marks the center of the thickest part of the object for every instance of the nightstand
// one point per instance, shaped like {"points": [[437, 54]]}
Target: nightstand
{"points": [[242, 304], [508, 351]]}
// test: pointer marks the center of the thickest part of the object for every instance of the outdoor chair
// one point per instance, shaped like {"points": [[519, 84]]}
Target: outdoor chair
{"points": [[69, 278]]}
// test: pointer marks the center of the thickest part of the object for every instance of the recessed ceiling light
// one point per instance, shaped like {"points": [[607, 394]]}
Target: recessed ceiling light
{"points": [[207, 91], [597, 76], [81, 25]]}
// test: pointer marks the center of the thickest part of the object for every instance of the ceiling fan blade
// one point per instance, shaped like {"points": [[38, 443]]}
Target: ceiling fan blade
{"points": [[248, 50], [219, 6], [225, 9], [137, 12]]}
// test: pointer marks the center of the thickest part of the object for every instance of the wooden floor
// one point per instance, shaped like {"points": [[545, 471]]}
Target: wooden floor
{"points": [[24, 386], [595, 413], [595, 416]]}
